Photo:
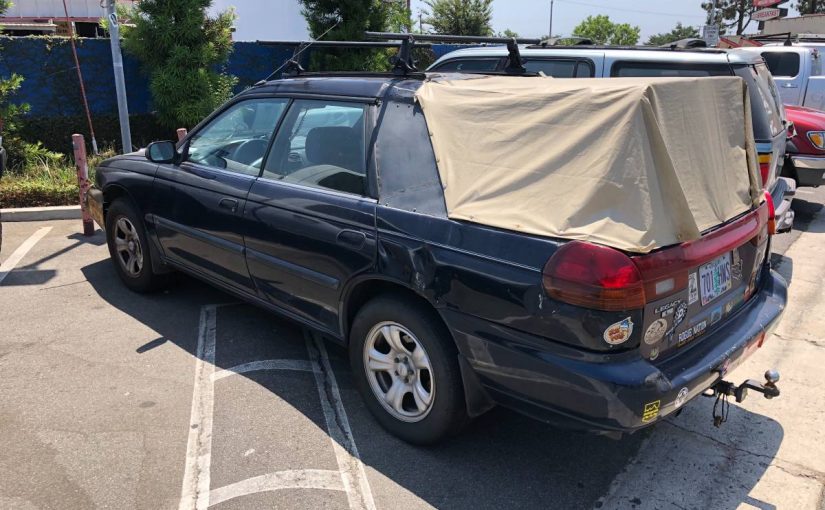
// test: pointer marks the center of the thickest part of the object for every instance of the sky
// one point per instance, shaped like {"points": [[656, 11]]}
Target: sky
{"points": [[281, 19]]}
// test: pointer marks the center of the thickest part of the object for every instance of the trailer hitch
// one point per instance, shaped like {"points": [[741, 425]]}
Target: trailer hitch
{"points": [[724, 389]]}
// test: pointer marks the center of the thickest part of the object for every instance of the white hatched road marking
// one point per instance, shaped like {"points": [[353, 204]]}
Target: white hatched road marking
{"points": [[350, 477], [21, 251]]}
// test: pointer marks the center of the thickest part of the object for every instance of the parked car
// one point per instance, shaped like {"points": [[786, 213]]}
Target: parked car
{"points": [[797, 70], [581, 61], [319, 198]]}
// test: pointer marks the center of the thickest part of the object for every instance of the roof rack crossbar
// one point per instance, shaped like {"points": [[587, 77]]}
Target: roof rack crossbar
{"points": [[340, 44], [515, 65]]}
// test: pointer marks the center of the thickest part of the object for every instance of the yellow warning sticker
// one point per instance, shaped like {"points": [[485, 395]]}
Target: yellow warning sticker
{"points": [[651, 411]]}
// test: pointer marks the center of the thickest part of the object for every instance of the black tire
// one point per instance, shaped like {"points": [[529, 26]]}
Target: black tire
{"points": [[143, 279], [447, 413]]}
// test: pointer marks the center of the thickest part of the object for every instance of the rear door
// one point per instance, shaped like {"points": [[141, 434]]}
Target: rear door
{"points": [[197, 205], [311, 217], [565, 67]]}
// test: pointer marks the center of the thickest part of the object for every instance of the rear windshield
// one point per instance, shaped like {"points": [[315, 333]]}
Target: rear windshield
{"points": [[782, 64]]}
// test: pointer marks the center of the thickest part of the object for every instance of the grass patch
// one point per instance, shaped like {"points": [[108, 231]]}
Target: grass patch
{"points": [[45, 183]]}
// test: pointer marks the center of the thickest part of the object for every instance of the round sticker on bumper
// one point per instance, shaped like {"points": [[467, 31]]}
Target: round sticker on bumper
{"points": [[655, 331]]}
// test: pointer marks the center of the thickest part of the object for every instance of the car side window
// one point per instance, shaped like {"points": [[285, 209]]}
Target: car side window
{"points": [[237, 139], [561, 68], [782, 64], [667, 69], [474, 65], [322, 144]]}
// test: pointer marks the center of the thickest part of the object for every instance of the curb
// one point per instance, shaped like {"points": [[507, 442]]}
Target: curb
{"points": [[65, 212]]}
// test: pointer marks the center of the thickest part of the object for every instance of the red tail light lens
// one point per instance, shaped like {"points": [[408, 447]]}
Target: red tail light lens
{"points": [[771, 214], [594, 276], [765, 168]]}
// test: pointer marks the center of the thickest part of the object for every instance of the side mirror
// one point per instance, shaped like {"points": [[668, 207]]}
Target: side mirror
{"points": [[162, 152], [2, 161]]}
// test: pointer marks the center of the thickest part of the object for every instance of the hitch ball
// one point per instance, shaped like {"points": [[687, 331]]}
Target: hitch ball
{"points": [[772, 376]]}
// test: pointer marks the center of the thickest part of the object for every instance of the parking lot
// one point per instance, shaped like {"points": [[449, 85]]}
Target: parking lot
{"points": [[190, 399]]}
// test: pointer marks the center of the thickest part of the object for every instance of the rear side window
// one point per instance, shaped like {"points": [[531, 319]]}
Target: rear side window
{"points": [[782, 64], [766, 107], [667, 69], [561, 68], [477, 65]]}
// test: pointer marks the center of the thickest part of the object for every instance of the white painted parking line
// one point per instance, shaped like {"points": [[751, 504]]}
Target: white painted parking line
{"points": [[340, 433], [350, 477], [21, 251], [195, 490], [297, 479], [298, 365]]}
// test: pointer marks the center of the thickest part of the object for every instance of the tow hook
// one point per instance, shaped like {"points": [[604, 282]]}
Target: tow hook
{"points": [[724, 389]]}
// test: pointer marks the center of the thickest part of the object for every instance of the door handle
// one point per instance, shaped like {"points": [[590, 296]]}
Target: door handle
{"points": [[790, 86], [352, 238], [228, 203]]}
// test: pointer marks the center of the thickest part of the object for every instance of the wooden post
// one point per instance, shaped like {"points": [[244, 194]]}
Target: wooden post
{"points": [[82, 167], [182, 132]]}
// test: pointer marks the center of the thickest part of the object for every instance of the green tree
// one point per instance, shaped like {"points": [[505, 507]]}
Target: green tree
{"points": [[678, 33], [347, 20], [180, 46], [460, 17], [730, 15], [603, 31], [508, 34], [810, 6]]}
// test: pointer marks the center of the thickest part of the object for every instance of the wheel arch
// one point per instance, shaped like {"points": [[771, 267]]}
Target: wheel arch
{"points": [[476, 398]]}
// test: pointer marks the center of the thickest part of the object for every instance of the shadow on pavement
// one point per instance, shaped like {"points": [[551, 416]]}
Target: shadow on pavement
{"points": [[502, 460], [805, 213]]}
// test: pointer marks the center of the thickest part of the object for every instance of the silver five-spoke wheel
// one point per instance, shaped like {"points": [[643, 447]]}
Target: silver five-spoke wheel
{"points": [[399, 371], [127, 245]]}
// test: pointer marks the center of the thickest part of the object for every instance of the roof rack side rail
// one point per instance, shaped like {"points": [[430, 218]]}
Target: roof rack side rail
{"points": [[339, 44], [515, 65]]}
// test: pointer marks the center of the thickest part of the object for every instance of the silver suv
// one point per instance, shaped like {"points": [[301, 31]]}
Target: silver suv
{"points": [[769, 121]]}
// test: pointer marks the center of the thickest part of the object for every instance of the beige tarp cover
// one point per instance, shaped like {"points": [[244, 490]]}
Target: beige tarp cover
{"points": [[633, 163]]}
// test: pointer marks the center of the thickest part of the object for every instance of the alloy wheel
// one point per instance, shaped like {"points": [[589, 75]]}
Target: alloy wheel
{"points": [[128, 247]]}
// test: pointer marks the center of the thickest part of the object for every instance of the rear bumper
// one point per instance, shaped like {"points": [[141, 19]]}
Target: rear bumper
{"points": [[609, 392], [810, 170], [94, 204]]}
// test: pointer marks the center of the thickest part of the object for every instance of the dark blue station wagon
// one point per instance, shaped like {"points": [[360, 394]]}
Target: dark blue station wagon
{"points": [[319, 198]]}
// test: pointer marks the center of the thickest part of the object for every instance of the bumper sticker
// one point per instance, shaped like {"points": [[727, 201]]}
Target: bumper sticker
{"points": [[681, 398], [651, 411], [618, 333], [655, 331], [693, 289]]}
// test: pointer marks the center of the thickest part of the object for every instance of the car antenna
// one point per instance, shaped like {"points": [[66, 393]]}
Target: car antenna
{"points": [[293, 65]]}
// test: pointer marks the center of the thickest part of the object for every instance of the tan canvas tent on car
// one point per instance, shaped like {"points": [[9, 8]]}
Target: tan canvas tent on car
{"points": [[632, 163]]}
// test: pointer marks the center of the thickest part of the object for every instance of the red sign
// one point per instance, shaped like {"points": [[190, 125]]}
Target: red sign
{"points": [[766, 14], [766, 3]]}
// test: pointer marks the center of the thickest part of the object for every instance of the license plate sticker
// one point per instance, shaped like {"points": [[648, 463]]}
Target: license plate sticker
{"points": [[715, 278]]}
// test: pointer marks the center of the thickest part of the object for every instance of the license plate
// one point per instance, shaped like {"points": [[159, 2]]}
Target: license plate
{"points": [[715, 278]]}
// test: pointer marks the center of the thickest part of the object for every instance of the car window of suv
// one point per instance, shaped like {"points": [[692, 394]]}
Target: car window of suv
{"points": [[782, 64], [321, 144], [478, 65], [561, 68], [667, 69], [237, 139]]}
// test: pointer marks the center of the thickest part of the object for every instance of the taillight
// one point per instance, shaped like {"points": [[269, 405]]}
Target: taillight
{"points": [[594, 276], [765, 168], [771, 214], [602, 278]]}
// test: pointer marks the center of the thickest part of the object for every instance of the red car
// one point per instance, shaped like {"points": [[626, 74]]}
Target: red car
{"points": [[805, 155]]}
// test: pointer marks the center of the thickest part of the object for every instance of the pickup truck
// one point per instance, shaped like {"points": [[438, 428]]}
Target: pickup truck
{"points": [[797, 71]]}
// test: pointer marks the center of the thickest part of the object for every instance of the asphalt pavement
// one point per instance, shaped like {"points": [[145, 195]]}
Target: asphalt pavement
{"points": [[188, 398]]}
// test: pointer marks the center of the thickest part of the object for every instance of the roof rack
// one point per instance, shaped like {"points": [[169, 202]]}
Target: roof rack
{"points": [[404, 64], [293, 67]]}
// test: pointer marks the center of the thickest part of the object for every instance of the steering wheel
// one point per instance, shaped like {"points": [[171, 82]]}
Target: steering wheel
{"points": [[250, 151]]}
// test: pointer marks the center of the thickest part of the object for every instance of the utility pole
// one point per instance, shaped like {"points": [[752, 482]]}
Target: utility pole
{"points": [[120, 81], [550, 35]]}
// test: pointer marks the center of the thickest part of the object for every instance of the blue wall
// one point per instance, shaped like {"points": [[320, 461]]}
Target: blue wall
{"points": [[51, 86]]}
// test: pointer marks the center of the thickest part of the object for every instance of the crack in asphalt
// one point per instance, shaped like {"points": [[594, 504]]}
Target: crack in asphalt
{"points": [[788, 338]]}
